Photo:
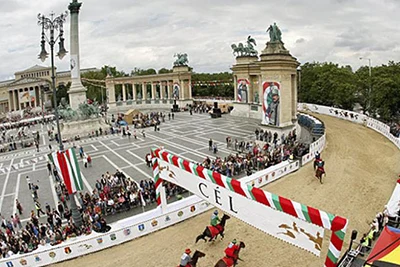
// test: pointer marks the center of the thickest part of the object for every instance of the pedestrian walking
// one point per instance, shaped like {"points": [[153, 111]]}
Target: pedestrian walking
{"points": [[89, 160], [210, 144], [173, 116], [49, 167], [144, 135], [81, 152], [134, 134], [38, 209], [19, 207], [169, 116]]}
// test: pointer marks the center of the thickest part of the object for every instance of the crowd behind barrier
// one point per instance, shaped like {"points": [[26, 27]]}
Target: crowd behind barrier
{"points": [[151, 221], [391, 212]]}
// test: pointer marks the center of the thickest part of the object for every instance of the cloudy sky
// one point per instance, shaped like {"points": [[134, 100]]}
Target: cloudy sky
{"points": [[146, 34]]}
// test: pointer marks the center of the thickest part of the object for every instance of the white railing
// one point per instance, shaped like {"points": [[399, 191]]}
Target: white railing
{"points": [[368, 122], [151, 221], [122, 231]]}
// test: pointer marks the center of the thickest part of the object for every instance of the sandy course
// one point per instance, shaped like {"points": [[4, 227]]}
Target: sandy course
{"points": [[361, 167]]}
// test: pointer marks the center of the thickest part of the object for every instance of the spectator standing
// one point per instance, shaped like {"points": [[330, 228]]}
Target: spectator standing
{"points": [[19, 207]]}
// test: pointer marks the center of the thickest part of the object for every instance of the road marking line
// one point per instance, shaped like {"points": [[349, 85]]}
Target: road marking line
{"points": [[5, 185], [95, 148], [16, 194], [115, 143]]}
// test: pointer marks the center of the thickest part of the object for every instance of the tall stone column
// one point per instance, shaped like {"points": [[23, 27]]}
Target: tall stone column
{"points": [[153, 91], [144, 91], [169, 88], [110, 92], [162, 89], [134, 91], [17, 107], [10, 101], [77, 93], [190, 89], [123, 93]]}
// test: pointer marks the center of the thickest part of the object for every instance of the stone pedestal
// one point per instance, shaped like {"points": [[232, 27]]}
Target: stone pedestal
{"points": [[266, 89], [82, 128]]}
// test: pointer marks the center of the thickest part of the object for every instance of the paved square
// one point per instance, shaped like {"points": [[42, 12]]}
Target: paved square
{"points": [[186, 136]]}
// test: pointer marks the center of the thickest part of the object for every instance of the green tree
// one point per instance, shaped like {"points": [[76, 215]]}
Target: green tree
{"points": [[164, 70]]}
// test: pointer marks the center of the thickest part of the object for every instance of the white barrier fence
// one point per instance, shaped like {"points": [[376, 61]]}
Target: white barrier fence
{"points": [[151, 221], [367, 121], [264, 177], [122, 231]]}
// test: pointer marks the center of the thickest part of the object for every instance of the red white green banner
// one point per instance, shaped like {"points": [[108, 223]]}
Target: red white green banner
{"points": [[283, 218], [68, 169]]}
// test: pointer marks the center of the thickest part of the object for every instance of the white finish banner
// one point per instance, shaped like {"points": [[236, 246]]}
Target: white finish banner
{"points": [[278, 224]]}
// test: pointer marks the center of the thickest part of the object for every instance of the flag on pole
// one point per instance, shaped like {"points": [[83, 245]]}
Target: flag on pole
{"points": [[68, 168]]}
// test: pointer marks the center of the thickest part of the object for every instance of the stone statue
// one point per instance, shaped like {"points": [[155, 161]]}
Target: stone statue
{"points": [[275, 34], [87, 111], [256, 98], [182, 60], [157, 95], [148, 95], [139, 95], [249, 50], [130, 96], [119, 98], [176, 91], [66, 112]]}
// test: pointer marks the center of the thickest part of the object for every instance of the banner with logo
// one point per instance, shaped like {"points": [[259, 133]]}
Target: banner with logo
{"points": [[271, 103], [262, 217], [242, 90]]}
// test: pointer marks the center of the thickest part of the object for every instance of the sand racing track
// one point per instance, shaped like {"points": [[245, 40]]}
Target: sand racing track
{"points": [[361, 173]]}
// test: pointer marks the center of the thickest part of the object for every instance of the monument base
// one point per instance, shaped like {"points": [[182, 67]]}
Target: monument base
{"points": [[77, 95], [281, 129], [82, 128]]}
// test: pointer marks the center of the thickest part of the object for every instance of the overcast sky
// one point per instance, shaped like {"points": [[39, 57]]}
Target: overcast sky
{"points": [[146, 34]]}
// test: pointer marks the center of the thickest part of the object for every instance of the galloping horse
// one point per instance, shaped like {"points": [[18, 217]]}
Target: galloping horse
{"points": [[212, 232], [229, 262], [196, 256]]}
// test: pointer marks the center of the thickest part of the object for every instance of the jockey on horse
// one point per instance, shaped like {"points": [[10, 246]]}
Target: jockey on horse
{"points": [[317, 159], [320, 170], [231, 252], [186, 259], [215, 228]]}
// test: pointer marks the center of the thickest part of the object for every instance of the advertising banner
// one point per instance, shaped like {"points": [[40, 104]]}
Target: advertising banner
{"points": [[27, 96], [278, 224], [271, 105], [242, 90]]}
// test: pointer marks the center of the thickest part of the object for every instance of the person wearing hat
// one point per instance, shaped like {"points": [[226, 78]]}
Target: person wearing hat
{"points": [[186, 259], [231, 249], [214, 218]]}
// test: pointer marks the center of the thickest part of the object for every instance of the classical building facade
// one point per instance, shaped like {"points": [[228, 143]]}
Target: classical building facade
{"points": [[28, 88], [142, 91]]}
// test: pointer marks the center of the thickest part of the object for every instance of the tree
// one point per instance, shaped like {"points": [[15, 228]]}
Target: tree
{"points": [[95, 90], [141, 72], [164, 70]]}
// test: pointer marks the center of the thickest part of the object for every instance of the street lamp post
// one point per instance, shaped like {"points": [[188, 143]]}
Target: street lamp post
{"points": [[370, 81], [56, 24]]}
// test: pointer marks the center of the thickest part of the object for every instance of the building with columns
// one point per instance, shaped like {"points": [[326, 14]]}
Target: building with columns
{"points": [[142, 91], [28, 88]]}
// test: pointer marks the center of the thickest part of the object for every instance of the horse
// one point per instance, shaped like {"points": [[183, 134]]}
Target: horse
{"points": [[319, 172], [196, 256], [210, 230], [229, 262]]}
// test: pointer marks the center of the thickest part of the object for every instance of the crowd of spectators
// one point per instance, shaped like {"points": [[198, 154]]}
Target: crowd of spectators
{"points": [[395, 129], [252, 156]]}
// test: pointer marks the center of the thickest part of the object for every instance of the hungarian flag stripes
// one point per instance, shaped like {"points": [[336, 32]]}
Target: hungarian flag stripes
{"points": [[68, 169]]}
